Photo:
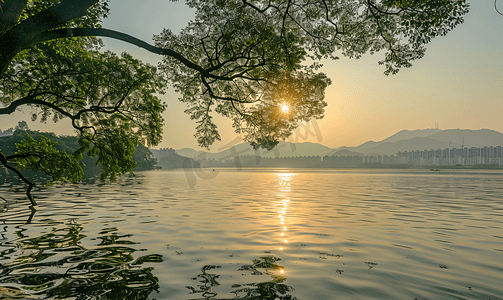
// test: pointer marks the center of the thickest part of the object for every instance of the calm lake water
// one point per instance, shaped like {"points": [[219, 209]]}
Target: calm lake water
{"points": [[258, 234]]}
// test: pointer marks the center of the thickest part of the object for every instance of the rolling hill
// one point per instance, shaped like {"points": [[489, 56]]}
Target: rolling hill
{"points": [[405, 140], [284, 149]]}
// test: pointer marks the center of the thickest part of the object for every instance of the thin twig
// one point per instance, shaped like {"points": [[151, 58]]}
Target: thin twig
{"points": [[496, 8]]}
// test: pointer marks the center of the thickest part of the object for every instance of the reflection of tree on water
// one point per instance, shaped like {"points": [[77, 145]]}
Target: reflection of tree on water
{"points": [[269, 290], [209, 280], [106, 272]]}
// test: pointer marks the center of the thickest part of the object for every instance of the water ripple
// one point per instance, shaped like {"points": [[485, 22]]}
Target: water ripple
{"points": [[258, 234]]}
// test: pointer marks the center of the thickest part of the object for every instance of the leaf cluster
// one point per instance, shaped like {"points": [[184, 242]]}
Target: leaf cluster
{"points": [[90, 166], [110, 99], [43, 156]]}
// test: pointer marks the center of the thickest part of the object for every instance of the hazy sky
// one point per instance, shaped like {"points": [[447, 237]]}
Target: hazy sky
{"points": [[458, 84]]}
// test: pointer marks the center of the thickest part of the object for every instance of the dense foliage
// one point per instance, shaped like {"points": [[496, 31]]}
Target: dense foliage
{"points": [[57, 156]]}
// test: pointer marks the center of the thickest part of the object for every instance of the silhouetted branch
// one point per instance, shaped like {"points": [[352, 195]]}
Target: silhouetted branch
{"points": [[102, 32], [496, 8], [29, 183], [256, 8]]}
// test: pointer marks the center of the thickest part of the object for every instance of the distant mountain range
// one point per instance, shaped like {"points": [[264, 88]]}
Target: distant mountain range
{"points": [[283, 149], [405, 140]]}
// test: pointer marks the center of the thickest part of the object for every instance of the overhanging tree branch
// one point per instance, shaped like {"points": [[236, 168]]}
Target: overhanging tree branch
{"points": [[102, 32], [50, 18], [29, 183], [16, 38]]}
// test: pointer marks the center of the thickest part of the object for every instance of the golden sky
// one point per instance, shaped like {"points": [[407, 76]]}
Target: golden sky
{"points": [[458, 84]]}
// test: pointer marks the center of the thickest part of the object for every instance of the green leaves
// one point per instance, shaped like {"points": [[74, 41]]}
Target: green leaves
{"points": [[114, 149], [110, 99], [43, 156], [206, 132]]}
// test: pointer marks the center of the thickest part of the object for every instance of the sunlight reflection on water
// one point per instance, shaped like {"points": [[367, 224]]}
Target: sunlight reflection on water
{"points": [[259, 234]]}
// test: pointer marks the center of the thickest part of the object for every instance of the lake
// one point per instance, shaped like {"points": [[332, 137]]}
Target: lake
{"points": [[258, 234]]}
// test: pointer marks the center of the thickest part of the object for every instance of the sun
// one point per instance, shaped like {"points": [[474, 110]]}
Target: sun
{"points": [[285, 108]]}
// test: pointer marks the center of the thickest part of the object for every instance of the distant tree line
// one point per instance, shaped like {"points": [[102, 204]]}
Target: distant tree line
{"points": [[175, 161], [20, 125], [90, 166]]}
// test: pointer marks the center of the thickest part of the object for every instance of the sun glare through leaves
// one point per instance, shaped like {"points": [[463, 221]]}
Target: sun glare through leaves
{"points": [[285, 108]]}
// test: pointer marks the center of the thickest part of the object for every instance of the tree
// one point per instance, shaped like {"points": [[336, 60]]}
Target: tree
{"points": [[243, 59], [144, 158], [69, 144], [20, 125], [57, 157]]}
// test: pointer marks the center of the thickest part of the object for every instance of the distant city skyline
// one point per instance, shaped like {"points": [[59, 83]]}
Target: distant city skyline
{"points": [[456, 85], [429, 140], [485, 157]]}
